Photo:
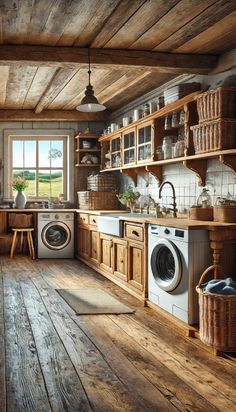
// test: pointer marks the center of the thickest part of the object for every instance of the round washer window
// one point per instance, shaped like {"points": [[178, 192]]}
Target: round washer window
{"points": [[166, 265], [56, 236]]}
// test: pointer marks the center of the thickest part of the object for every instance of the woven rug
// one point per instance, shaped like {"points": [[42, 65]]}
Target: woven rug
{"points": [[92, 301]]}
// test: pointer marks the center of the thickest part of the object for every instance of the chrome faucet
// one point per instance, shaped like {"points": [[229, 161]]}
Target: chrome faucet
{"points": [[174, 209]]}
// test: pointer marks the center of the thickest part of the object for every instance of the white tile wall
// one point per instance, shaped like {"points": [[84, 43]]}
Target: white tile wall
{"points": [[219, 180]]}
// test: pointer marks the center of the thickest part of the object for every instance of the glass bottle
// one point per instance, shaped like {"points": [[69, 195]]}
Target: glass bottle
{"points": [[204, 199]]}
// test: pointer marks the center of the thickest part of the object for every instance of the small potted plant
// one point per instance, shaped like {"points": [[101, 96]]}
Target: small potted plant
{"points": [[129, 198], [19, 184]]}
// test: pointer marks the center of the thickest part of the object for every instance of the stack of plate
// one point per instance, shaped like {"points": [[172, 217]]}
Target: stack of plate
{"points": [[179, 91]]}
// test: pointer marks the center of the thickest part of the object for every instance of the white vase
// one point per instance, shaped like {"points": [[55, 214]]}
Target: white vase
{"points": [[20, 200]]}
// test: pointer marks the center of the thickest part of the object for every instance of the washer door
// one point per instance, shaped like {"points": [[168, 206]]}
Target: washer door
{"points": [[166, 265], [56, 235]]}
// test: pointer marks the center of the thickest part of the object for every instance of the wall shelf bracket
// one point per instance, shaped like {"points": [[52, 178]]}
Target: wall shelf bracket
{"points": [[229, 160], [131, 173], [198, 166], [155, 171], [143, 173]]}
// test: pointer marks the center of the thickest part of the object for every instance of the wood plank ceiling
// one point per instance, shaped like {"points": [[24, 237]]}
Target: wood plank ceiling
{"points": [[163, 26]]}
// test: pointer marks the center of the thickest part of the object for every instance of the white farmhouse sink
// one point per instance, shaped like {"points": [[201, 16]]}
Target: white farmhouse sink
{"points": [[111, 224]]}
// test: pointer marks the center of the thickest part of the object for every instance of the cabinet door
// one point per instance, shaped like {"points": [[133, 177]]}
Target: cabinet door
{"points": [[136, 265], [83, 242], [145, 142], [94, 246], [120, 249], [106, 252]]}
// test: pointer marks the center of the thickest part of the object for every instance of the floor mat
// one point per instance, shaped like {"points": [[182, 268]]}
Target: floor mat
{"points": [[92, 301]]}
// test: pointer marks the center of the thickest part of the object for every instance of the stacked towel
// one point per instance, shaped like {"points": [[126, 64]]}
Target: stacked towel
{"points": [[220, 286]]}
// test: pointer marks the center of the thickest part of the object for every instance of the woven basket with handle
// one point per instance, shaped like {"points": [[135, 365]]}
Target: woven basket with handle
{"points": [[217, 317]]}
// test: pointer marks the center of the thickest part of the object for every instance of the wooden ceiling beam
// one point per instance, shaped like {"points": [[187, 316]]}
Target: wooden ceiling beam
{"points": [[74, 56], [52, 115]]}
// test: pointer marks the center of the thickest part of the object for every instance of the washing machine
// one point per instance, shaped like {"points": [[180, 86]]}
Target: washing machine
{"points": [[55, 235], [177, 258]]}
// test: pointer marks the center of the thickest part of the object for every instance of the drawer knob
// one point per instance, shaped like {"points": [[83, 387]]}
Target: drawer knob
{"points": [[134, 232]]}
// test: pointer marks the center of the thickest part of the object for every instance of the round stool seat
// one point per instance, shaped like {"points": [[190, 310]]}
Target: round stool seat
{"points": [[28, 231]]}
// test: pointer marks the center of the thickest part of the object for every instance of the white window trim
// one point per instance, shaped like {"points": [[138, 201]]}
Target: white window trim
{"points": [[10, 134]]}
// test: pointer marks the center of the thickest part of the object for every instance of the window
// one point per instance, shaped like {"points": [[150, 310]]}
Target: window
{"points": [[41, 161], [44, 157]]}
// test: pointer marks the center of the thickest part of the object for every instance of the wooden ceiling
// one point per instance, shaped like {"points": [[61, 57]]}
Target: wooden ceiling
{"points": [[135, 45]]}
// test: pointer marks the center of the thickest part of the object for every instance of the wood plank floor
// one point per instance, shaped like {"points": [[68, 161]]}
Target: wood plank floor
{"points": [[53, 360]]}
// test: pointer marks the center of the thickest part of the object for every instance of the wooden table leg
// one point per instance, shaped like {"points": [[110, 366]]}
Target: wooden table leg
{"points": [[29, 244], [32, 245], [21, 241], [13, 244]]}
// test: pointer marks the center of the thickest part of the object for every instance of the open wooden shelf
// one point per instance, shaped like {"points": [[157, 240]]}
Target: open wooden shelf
{"points": [[197, 163]]}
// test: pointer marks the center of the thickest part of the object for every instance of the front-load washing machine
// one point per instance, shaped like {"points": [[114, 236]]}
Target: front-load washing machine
{"points": [[55, 235], [177, 258]]}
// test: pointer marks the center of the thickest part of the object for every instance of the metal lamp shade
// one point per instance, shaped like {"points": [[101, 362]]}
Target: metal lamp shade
{"points": [[89, 103]]}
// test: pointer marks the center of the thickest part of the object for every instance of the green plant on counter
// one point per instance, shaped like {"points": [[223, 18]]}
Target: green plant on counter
{"points": [[129, 197]]}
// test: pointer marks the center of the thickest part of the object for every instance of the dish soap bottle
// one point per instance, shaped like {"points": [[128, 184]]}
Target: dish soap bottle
{"points": [[204, 199]]}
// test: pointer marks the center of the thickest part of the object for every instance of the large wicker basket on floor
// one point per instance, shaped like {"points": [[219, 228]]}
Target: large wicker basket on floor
{"points": [[217, 103], [217, 317], [97, 200]]}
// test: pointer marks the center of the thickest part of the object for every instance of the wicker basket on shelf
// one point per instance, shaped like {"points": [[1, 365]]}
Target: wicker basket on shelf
{"points": [[217, 317], [215, 135], [97, 200], [217, 103], [102, 183]]}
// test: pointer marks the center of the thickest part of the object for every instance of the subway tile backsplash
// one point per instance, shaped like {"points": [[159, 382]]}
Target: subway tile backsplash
{"points": [[220, 181]]}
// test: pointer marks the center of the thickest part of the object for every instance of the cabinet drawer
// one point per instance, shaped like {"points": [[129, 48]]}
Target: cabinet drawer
{"points": [[83, 219], [93, 220], [134, 232]]}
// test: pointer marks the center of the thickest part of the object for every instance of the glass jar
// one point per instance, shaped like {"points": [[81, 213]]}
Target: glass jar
{"points": [[174, 120], [204, 199], [167, 124], [167, 147]]}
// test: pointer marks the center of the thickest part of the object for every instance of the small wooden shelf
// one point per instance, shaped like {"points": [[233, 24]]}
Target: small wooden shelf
{"points": [[87, 136], [87, 165], [87, 150]]}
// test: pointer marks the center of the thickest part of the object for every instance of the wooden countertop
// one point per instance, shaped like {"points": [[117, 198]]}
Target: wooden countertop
{"points": [[100, 212], [181, 223], [38, 210]]}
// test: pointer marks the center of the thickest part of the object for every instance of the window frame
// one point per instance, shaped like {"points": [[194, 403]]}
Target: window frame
{"points": [[40, 135]]}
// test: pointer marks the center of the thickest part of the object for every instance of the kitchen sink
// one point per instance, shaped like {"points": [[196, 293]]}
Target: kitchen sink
{"points": [[111, 224]]}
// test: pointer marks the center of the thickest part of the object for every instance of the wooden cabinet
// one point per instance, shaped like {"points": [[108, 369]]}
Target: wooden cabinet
{"points": [[141, 143], [83, 242], [120, 253], [94, 246], [136, 234], [122, 260], [136, 265], [106, 252], [129, 147], [145, 142]]}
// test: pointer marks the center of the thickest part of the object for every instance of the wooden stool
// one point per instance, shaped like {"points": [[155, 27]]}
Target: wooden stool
{"points": [[29, 239]]}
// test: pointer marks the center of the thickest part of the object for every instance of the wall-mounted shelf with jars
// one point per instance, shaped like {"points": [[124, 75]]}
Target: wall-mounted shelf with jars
{"points": [[88, 150], [162, 138]]}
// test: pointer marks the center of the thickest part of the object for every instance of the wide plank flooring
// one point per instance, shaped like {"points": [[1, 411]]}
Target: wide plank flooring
{"points": [[54, 360]]}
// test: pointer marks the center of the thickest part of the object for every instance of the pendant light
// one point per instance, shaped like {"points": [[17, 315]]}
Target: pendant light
{"points": [[89, 103]]}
